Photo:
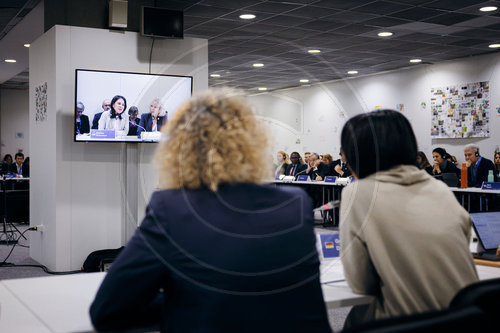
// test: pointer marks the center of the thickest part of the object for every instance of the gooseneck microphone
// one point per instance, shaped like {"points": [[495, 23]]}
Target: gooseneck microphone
{"points": [[328, 206]]}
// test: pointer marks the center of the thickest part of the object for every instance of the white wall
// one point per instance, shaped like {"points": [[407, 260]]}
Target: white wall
{"points": [[14, 115], [323, 105], [91, 196]]}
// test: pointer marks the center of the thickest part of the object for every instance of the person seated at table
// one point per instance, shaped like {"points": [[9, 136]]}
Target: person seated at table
{"points": [[327, 159], [497, 166], [441, 163], [154, 120], [404, 236], [452, 159], [116, 118], [306, 157], [19, 168], [82, 124], [106, 106], [423, 162], [339, 168], [478, 167], [8, 159], [295, 168], [217, 251], [316, 170], [279, 168], [133, 120]]}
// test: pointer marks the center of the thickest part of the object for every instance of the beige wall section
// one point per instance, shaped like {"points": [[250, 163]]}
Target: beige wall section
{"points": [[14, 115], [91, 196]]}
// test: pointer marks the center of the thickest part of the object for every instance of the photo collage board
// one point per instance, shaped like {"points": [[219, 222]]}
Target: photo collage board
{"points": [[460, 111]]}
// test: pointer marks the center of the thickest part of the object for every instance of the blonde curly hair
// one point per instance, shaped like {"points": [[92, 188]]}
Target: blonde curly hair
{"points": [[213, 138]]}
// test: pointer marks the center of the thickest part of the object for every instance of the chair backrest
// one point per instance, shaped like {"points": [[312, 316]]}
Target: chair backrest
{"points": [[460, 320], [483, 294]]}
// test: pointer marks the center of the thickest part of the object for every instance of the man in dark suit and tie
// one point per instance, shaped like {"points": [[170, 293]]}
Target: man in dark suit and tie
{"points": [[295, 167], [18, 167]]}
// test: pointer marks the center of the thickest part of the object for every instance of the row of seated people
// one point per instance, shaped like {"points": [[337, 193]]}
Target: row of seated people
{"points": [[114, 117], [315, 166], [478, 167], [20, 167], [318, 167]]}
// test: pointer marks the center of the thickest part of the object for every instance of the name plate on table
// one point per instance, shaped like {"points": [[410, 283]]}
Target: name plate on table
{"points": [[330, 245], [330, 179], [102, 134], [303, 178], [490, 186]]}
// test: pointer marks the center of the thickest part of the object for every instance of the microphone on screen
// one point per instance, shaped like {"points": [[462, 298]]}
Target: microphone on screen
{"points": [[328, 206]]}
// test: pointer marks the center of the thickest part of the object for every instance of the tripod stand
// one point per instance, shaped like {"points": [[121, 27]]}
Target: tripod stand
{"points": [[8, 236]]}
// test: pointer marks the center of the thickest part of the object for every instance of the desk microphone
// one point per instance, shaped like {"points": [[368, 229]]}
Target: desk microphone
{"points": [[138, 126], [300, 173], [328, 206]]}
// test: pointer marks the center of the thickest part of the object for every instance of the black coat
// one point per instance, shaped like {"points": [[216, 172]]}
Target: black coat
{"points": [[95, 121], [226, 262], [299, 167], [84, 125], [345, 169], [322, 171], [147, 123], [485, 165], [25, 171]]}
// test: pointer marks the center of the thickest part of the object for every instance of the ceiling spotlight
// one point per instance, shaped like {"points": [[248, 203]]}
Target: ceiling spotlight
{"points": [[27, 45], [494, 46], [314, 51], [262, 88], [384, 34], [214, 75], [303, 80], [257, 65], [415, 61], [10, 60], [488, 9], [247, 16], [352, 72]]}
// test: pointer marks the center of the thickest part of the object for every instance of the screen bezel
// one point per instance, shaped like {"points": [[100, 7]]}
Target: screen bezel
{"points": [[114, 72]]}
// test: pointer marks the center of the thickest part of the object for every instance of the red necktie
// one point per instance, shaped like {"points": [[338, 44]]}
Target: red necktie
{"points": [[292, 171]]}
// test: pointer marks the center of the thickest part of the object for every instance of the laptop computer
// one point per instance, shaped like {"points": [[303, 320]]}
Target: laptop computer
{"points": [[487, 228], [450, 179]]}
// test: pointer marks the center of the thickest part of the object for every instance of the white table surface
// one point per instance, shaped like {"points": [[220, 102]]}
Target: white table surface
{"points": [[61, 303]]}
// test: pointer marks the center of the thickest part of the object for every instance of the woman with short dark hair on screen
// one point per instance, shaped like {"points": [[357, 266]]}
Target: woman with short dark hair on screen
{"points": [[404, 236], [116, 118], [217, 251]]}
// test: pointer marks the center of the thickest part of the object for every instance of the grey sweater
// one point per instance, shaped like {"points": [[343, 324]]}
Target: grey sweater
{"points": [[405, 240]]}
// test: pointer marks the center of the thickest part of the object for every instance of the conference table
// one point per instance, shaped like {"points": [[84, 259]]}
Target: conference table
{"points": [[61, 303]]}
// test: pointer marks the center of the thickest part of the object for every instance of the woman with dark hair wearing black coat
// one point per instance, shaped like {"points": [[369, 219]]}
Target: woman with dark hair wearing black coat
{"points": [[441, 164]]}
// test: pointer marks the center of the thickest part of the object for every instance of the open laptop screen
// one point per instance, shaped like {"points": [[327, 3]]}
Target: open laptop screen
{"points": [[487, 227]]}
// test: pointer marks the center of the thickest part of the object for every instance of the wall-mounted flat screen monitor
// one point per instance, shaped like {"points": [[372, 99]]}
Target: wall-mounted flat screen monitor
{"points": [[126, 107], [161, 22]]}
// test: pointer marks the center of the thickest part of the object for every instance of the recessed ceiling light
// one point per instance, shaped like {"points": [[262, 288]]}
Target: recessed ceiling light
{"points": [[494, 46], [214, 75], [247, 16], [415, 60], [258, 65], [303, 80], [384, 34], [27, 45], [352, 72], [10, 60], [488, 8], [262, 88], [314, 51]]}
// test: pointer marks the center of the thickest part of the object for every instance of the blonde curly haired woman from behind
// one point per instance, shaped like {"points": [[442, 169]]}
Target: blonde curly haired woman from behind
{"points": [[217, 251]]}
